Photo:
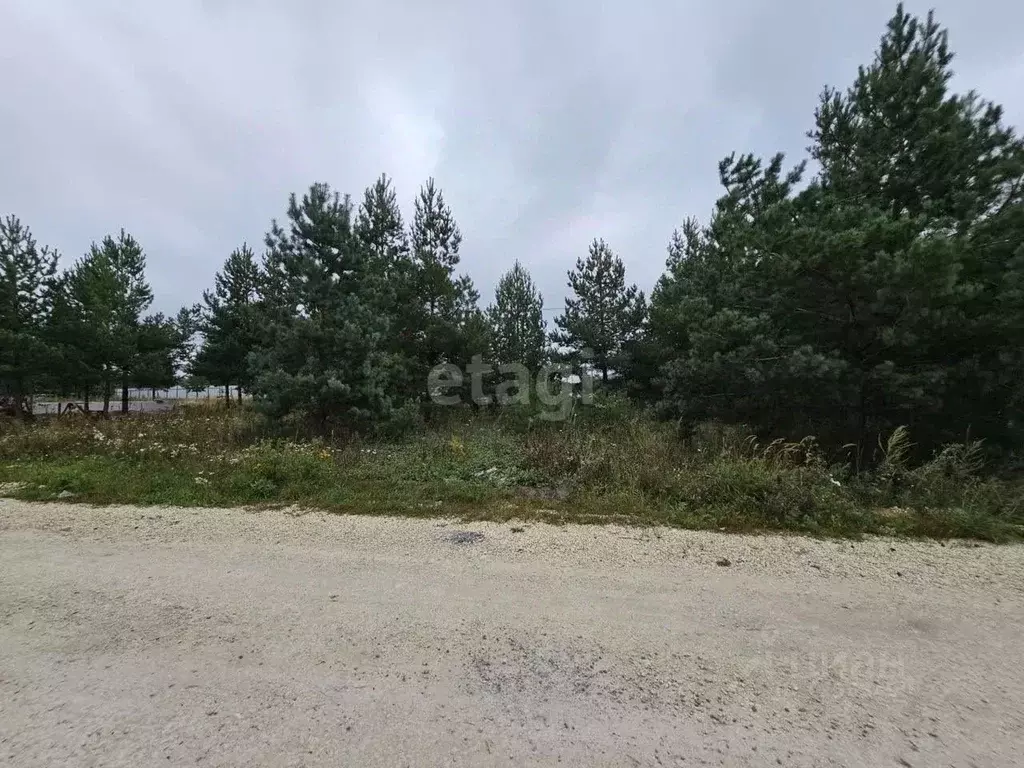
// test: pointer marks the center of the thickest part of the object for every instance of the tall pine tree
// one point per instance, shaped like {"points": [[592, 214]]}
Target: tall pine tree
{"points": [[517, 320], [664, 334], [604, 314], [230, 323], [27, 287], [448, 324], [380, 230], [325, 360], [107, 293], [435, 248], [886, 292]]}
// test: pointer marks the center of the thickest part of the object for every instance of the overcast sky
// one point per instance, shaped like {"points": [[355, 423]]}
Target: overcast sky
{"points": [[546, 124]]}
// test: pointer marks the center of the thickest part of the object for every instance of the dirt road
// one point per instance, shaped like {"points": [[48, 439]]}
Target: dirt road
{"points": [[143, 637]]}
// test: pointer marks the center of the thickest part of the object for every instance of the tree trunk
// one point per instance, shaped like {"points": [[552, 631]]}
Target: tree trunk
{"points": [[227, 395], [106, 397], [124, 395], [604, 371], [16, 397], [86, 399], [239, 389]]}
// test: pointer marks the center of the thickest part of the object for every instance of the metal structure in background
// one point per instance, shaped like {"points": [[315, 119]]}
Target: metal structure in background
{"points": [[70, 408]]}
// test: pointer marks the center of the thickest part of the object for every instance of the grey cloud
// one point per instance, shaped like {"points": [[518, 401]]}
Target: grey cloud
{"points": [[546, 124]]}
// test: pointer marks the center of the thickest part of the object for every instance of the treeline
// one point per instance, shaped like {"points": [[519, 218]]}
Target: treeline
{"points": [[337, 325], [342, 320], [885, 289], [84, 330]]}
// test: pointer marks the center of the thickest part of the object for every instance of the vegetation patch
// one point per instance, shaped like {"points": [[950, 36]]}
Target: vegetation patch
{"points": [[884, 292], [632, 469]]}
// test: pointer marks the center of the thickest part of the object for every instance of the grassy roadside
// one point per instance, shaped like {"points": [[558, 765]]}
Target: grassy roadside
{"points": [[622, 467]]}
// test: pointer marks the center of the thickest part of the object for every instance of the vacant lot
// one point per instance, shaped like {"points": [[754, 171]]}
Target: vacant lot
{"points": [[616, 464], [133, 636]]}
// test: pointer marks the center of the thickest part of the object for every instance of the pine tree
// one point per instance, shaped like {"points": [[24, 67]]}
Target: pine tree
{"points": [[886, 292], [107, 293], [84, 327], [435, 247], [472, 330], [899, 142], [27, 293], [325, 360], [447, 303], [605, 314], [230, 324], [155, 366], [66, 330], [135, 296], [188, 322], [664, 334], [897, 137], [380, 229], [517, 320], [165, 348]]}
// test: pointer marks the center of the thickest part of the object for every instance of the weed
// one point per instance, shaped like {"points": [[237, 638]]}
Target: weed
{"points": [[623, 466]]}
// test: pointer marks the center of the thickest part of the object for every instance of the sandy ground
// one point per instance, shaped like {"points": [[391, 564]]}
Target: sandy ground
{"points": [[144, 637]]}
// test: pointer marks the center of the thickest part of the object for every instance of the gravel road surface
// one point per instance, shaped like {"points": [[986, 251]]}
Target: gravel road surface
{"points": [[145, 637]]}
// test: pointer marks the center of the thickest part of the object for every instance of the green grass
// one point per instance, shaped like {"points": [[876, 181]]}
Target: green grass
{"points": [[609, 464]]}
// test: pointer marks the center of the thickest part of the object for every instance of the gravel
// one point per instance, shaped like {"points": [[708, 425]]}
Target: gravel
{"points": [[133, 636]]}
